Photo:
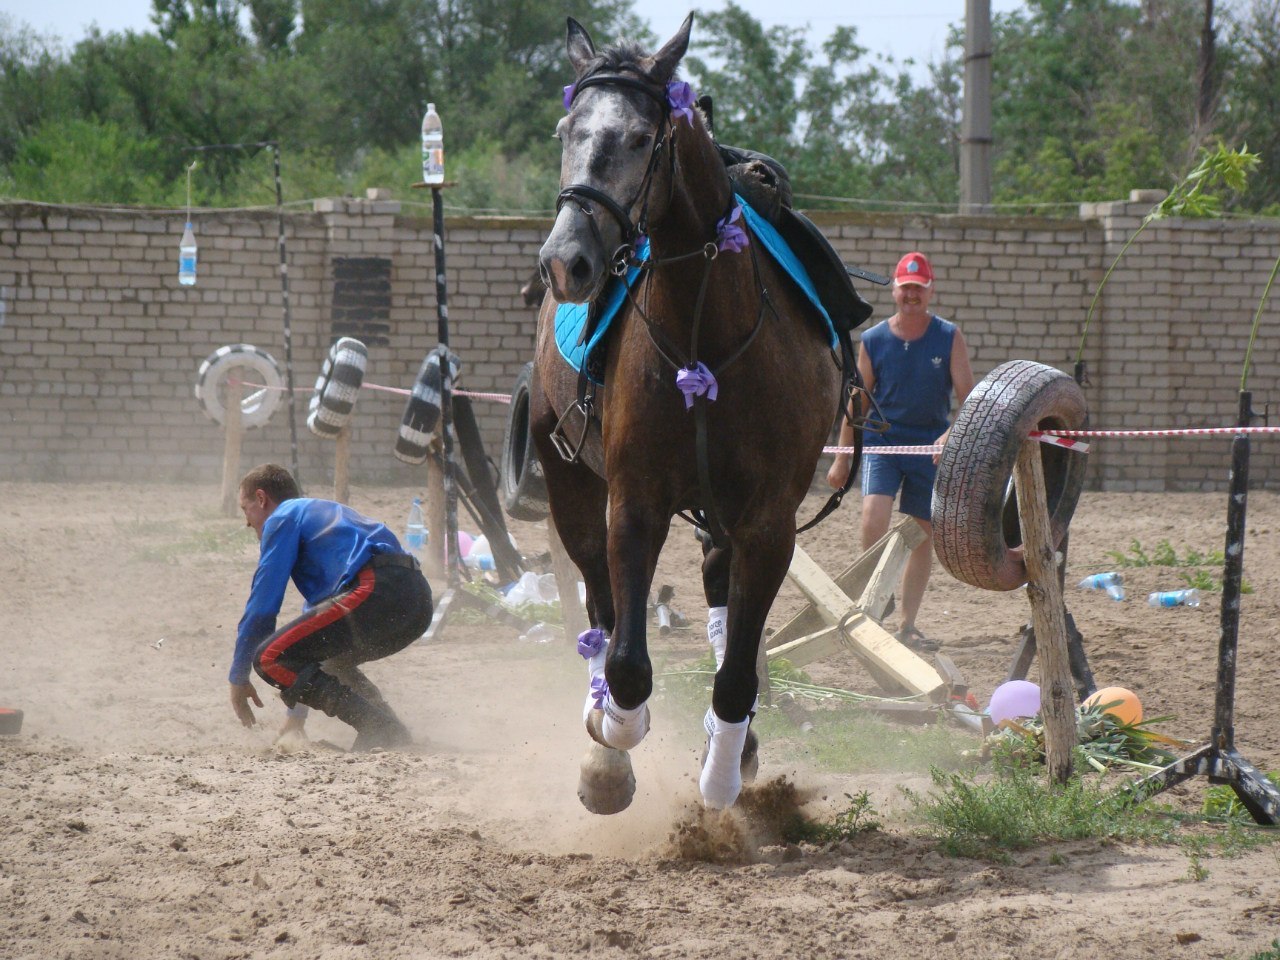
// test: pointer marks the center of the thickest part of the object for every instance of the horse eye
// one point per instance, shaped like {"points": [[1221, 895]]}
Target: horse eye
{"points": [[640, 141]]}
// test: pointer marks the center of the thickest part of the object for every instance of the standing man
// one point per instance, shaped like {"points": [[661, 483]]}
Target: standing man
{"points": [[365, 599], [910, 364]]}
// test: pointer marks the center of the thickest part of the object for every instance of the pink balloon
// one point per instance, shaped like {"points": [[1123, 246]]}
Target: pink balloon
{"points": [[464, 543], [1013, 700]]}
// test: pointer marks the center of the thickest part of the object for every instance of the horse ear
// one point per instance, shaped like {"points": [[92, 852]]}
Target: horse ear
{"points": [[668, 58], [578, 42]]}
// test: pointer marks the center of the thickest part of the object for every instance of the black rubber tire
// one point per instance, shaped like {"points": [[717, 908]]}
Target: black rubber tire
{"points": [[337, 388], [523, 484], [422, 411], [976, 535], [10, 722]]}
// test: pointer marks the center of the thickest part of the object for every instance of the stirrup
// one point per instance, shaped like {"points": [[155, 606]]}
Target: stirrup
{"points": [[569, 451]]}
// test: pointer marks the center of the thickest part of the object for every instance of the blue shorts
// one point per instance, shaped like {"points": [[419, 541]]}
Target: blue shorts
{"points": [[913, 473]]}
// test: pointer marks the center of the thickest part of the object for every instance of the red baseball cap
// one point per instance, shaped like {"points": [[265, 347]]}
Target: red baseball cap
{"points": [[913, 268]]}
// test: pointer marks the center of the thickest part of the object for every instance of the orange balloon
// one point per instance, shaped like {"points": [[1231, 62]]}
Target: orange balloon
{"points": [[1126, 707]]}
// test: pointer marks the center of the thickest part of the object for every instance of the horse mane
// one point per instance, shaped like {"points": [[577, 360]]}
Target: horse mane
{"points": [[624, 55]]}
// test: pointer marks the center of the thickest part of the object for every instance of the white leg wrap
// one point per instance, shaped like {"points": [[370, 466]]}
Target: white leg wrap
{"points": [[716, 617], [721, 779], [622, 728]]}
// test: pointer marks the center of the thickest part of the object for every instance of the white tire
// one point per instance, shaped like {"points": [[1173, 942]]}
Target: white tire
{"points": [[258, 403], [422, 412], [337, 388]]}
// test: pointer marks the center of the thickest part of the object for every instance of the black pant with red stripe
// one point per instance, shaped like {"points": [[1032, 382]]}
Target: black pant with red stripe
{"points": [[386, 608]]}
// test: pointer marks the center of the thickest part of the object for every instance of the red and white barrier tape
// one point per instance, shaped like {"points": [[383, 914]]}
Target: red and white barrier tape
{"points": [[495, 397], [1056, 438]]}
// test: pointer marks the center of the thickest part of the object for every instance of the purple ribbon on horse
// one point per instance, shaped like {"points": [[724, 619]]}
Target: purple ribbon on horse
{"points": [[590, 642], [599, 691], [731, 237], [680, 97], [696, 381]]}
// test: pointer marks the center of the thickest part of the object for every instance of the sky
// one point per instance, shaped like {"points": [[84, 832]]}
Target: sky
{"points": [[917, 30]]}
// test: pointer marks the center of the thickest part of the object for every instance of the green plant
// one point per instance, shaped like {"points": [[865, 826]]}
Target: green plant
{"points": [[858, 817], [1191, 197], [1018, 809], [1272, 953], [1221, 801]]}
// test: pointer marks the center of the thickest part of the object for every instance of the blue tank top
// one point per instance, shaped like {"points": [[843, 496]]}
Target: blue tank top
{"points": [[913, 382]]}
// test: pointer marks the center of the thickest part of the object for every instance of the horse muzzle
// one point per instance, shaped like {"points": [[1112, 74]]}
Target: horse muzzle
{"points": [[572, 263]]}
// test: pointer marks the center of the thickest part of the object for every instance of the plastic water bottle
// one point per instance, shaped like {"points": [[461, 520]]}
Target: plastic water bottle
{"points": [[432, 146], [187, 258], [415, 530], [1111, 582], [1175, 598]]}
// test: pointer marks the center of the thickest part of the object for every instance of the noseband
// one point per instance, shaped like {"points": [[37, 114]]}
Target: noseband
{"points": [[584, 196]]}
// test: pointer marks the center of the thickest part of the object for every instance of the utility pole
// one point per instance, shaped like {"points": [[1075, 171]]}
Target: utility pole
{"points": [[975, 126]]}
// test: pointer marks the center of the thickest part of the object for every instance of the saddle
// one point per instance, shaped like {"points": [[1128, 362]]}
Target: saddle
{"points": [[763, 182]]}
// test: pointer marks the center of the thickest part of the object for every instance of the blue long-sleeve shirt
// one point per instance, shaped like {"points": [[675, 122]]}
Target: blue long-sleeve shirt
{"points": [[321, 546]]}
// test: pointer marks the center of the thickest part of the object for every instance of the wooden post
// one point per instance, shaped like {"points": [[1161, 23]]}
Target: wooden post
{"points": [[1057, 689], [575, 618], [341, 464], [437, 535], [233, 426]]}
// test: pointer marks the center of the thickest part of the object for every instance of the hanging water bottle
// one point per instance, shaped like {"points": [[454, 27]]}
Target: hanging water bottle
{"points": [[187, 258], [1175, 598], [415, 530], [432, 147], [1110, 581], [187, 245]]}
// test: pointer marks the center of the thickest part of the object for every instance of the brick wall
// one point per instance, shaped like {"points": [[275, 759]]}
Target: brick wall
{"points": [[100, 345]]}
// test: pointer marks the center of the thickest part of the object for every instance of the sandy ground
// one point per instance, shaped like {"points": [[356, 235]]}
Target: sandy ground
{"points": [[138, 819]]}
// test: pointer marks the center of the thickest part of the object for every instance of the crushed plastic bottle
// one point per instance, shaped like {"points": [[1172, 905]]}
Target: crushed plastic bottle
{"points": [[1175, 598], [1110, 581], [540, 633]]}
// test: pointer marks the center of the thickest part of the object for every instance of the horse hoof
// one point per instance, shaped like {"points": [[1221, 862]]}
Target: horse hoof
{"points": [[749, 765], [606, 784]]}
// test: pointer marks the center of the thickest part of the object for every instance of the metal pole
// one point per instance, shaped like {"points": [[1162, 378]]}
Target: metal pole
{"points": [[288, 325], [975, 126], [452, 558]]}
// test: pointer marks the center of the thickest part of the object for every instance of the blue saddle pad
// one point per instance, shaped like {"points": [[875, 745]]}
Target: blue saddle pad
{"points": [[571, 318]]}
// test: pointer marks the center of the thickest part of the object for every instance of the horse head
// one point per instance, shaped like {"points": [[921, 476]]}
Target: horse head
{"points": [[613, 177]]}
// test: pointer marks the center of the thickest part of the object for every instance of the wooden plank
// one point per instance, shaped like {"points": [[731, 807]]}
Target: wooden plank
{"points": [[233, 425], [437, 537], [566, 573], [853, 581], [901, 668], [1048, 615], [830, 602], [342, 465], [883, 581]]}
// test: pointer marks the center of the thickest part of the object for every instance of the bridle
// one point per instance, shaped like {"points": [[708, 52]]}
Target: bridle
{"points": [[584, 196]]}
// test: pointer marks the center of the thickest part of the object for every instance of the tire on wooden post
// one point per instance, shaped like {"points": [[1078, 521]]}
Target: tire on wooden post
{"points": [[211, 383], [523, 486], [422, 411], [337, 388], [976, 534]]}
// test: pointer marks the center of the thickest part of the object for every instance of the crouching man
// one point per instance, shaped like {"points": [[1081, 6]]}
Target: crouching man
{"points": [[365, 599]]}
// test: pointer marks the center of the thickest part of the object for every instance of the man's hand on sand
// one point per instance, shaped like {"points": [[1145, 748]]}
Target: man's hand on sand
{"points": [[241, 695]]}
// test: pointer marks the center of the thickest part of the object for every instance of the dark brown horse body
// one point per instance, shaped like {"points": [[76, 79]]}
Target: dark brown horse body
{"points": [[638, 466]]}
